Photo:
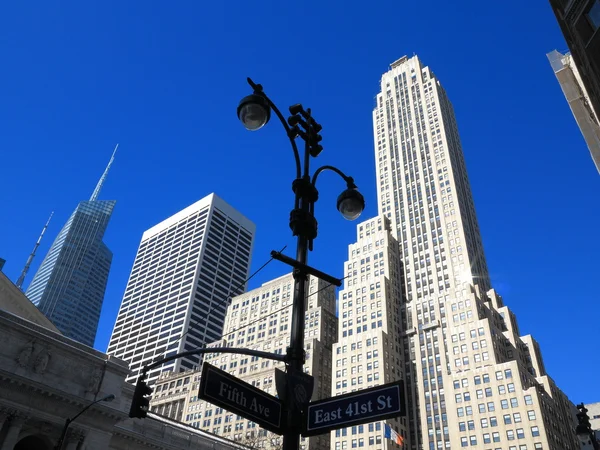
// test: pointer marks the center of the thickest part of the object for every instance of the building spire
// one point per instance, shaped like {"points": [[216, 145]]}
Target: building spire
{"points": [[32, 255], [96, 192]]}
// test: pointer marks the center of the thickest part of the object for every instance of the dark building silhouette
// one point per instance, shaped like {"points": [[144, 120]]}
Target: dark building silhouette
{"points": [[579, 21]]}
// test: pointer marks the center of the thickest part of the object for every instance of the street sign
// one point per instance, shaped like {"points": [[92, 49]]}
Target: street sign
{"points": [[368, 405], [225, 390]]}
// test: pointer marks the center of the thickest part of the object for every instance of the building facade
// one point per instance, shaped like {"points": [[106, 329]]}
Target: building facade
{"points": [[70, 283], [579, 101], [472, 381], [594, 414], [186, 269], [46, 378], [369, 348], [259, 320], [579, 22]]}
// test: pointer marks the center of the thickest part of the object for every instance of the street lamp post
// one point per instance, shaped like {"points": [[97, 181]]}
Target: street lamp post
{"points": [[59, 444], [254, 111]]}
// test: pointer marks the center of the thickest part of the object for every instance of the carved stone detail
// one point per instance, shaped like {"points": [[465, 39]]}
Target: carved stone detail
{"points": [[94, 381], [25, 354], [41, 361]]}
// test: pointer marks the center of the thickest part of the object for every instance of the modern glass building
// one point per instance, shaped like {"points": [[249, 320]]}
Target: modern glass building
{"points": [[69, 286]]}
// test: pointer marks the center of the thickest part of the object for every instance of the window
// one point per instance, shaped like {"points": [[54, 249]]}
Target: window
{"points": [[538, 446], [514, 402], [528, 400], [504, 404], [517, 417], [593, 15], [493, 421], [496, 436], [535, 431], [477, 379], [507, 419], [501, 389], [473, 440], [487, 438], [484, 423], [531, 415], [471, 425], [462, 426], [464, 442], [510, 435], [520, 433]]}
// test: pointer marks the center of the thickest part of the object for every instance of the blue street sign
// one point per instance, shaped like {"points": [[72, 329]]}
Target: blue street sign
{"points": [[225, 390], [368, 405]]}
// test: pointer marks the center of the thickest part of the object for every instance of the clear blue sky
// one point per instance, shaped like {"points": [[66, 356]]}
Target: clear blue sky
{"points": [[164, 79]]}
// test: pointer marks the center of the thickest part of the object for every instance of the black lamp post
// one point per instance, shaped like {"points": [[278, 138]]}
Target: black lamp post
{"points": [[59, 444], [254, 111]]}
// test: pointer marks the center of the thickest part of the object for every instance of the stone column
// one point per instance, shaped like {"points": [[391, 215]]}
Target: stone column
{"points": [[14, 428], [4, 415]]}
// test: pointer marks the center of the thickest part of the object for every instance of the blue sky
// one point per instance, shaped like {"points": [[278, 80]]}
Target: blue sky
{"points": [[164, 80]]}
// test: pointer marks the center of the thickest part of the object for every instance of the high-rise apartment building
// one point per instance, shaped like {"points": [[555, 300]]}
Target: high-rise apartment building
{"points": [[472, 381], [579, 101], [369, 348], [186, 267], [259, 320], [70, 283]]}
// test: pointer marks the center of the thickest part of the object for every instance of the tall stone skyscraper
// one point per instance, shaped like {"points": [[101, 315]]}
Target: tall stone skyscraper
{"points": [[258, 320], [368, 350], [186, 266], [472, 381], [69, 286]]}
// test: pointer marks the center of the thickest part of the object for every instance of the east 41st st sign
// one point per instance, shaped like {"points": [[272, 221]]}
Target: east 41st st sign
{"points": [[364, 406]]}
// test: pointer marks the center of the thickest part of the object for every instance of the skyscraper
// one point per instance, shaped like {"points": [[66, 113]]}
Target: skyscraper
{"points": [[69, 286], [258, 320], [579, 101], [186, 266], [368, 350], [471, 379]]}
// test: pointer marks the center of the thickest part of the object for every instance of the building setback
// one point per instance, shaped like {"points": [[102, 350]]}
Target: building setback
{"points": [[259, 320], [369, 348], [472, 381], [186, 266], [70, 283]]}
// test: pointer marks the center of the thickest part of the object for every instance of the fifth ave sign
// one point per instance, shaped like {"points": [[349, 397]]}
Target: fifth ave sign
{"points": [[225, 390], [368, 405]]}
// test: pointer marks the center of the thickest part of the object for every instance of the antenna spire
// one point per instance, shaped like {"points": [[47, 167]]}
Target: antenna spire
{"points": [[96, 192], [32, 255]]}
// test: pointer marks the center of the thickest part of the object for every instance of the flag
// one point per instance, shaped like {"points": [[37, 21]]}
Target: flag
{"points": [[391, 434]]}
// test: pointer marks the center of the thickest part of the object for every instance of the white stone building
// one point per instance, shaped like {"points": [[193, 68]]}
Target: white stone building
{"points": [[369, 346], [259, 320], [472, 381], [186, 266], [46, 378]]}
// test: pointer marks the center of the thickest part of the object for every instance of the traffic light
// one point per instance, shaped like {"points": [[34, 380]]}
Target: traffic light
{"points": [[140, 404]]}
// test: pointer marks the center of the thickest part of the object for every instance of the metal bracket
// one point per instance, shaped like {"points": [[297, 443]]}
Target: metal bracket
{"points": [[304, 268]]}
